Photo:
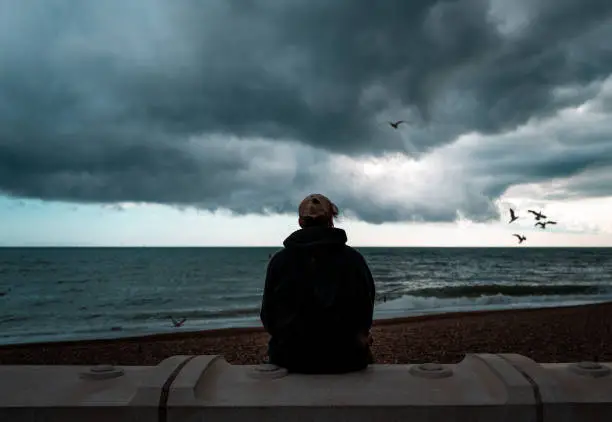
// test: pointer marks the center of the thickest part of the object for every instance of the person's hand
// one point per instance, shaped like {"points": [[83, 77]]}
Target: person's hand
{"points": [[366, 338]]}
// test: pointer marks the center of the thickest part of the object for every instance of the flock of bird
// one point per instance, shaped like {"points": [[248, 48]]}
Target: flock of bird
{"points": [[539, 218]]}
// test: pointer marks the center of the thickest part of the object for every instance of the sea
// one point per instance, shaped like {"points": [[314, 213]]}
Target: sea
{"points": [[54, 294]]}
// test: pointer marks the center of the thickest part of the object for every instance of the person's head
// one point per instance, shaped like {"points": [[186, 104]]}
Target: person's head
{"points": [[317, 210]]}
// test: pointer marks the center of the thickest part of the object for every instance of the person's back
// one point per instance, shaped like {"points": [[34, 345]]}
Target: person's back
{"points": [[318, 298]]}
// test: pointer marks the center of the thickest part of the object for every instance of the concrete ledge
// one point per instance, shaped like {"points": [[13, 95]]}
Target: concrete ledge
{"points": [[61, 393], [569, 392], [482, 387]]}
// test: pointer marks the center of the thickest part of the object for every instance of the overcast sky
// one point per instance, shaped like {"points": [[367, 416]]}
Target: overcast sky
{"points": [[158, 122]]}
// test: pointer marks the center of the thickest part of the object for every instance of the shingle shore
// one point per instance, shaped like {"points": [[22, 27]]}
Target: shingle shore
{"points": [[545, 335]]}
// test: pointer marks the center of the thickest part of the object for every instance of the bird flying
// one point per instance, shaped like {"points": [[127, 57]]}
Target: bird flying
{"points": [[394, 125], [538, 215], [178, 323], [544, 223], [513, 216], [520, 238]]}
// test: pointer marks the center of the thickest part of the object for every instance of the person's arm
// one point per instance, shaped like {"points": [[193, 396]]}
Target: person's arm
{"points": [[368, 306], [366, 293], [371, 292], [372, 289], [370, 283], [267, 312]]}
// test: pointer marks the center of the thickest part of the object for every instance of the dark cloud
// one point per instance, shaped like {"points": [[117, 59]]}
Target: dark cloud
{"points": [[237, 103], [592, 183], [572, 151]]}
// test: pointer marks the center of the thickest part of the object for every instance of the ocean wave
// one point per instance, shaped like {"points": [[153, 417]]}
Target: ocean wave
{"points": [[414, 305], [73, 281], [42, 302], [145, 300], [409, 304], [509, 290], [14, 318], [191, 314]]}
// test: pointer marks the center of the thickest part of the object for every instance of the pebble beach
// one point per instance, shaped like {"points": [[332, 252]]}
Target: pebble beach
{"points": [[563, 334]]}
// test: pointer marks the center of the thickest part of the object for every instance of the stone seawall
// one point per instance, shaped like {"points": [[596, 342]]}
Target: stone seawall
{"points": [[482, 387]]}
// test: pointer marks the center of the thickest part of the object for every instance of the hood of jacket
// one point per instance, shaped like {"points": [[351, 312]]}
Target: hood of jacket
{"points": [[316, 236]]}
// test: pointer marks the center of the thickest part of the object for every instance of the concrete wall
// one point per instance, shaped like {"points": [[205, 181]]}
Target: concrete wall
{"points": [[483, 387]]}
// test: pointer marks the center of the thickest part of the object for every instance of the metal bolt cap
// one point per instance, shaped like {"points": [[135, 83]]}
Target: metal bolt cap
{"points": [[430, 370], [100, 372], [590, 369], [268, 371]]}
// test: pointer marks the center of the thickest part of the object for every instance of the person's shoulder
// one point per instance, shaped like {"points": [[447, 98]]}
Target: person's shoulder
{"points": [[277, 257], [354, 254]]}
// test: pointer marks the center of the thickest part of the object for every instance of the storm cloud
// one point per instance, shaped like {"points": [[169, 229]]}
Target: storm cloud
{"points": [[250, 105]]}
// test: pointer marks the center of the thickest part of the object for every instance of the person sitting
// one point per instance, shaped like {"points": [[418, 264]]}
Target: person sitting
{"points": [[318, 300]]}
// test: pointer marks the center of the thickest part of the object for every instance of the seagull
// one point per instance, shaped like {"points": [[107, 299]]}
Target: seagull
{"points": [[520, 238], [178, 323], [543, 224], [513, 216], [538, 215], [396, 124]]}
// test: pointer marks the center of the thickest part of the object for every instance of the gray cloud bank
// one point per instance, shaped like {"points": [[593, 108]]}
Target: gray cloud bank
{"points": [[244, 104]]}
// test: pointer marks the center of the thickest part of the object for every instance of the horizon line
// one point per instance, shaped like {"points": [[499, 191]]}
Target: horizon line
{"points": [[281, 246]]}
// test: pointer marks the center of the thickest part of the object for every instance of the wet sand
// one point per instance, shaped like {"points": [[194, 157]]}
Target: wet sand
{"points": [[545, 335]]}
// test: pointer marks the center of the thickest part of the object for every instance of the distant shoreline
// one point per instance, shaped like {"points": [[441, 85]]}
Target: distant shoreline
{"points": [[280, 246]]}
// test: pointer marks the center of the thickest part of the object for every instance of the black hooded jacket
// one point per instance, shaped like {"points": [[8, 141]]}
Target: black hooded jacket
{"points": [[318, 300]]}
